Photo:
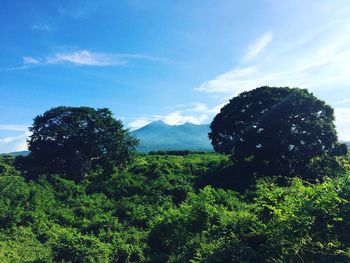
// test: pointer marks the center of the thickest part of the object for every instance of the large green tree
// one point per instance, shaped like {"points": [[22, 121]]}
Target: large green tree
{"points": [[276, 131], [72, 141]]}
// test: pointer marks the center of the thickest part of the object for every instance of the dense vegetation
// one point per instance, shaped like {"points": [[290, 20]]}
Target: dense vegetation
{"points": [[170, 208], [73, 141], [277, 131], [83, 195]]}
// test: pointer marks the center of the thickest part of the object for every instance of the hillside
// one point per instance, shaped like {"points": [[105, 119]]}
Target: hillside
{"points": [[161, 136]]}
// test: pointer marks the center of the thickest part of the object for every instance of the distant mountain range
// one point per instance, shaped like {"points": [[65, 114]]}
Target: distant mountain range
{"points": [[14, 154], [159, 136]]}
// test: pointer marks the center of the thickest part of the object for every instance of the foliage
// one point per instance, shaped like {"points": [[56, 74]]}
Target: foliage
{"points": [[7, 165], [276, 131], [300, 223], [306, 221], [14, 194], [174, 208], [204, 227], [73, 141], [180, 206], [21, 245]]}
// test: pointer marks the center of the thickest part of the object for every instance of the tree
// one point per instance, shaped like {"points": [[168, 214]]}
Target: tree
{"points": [[72, 141], [276, 131]]}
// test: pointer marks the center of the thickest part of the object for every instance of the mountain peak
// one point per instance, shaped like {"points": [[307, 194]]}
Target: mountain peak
{"points": [[158, 136], [158, 123], [189, 124]]}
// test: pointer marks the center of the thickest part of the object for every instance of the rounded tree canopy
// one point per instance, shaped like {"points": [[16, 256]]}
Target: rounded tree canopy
{"points": [[275, 130], [74, 140]]}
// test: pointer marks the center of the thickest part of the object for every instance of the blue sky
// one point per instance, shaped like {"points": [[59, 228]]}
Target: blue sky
{"points": [[177, 61]]}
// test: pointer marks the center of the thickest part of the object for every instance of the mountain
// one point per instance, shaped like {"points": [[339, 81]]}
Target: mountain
{"points": [[14, 154], [158, 136]]}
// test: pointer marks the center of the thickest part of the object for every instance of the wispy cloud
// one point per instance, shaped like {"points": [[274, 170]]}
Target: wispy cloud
{"points": [[258, 46], [13, 127], [202, 108], [23, 67], [140, 122], [14, 143], [40, 27], [30, 61], [234, 81], [215, 110], [318, 62], [86, 58], [198, 107], [321, 70], [80, 57], [10, 139], [342, 102]]}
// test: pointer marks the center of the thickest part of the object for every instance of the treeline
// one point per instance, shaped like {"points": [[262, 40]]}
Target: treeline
{"points": [[176, 152]]}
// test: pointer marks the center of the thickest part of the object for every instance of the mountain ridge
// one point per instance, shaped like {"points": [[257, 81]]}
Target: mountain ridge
{"points": [[159, 136]]}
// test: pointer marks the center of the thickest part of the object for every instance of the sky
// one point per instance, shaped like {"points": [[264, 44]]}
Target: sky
{"points": [[176, 61]]}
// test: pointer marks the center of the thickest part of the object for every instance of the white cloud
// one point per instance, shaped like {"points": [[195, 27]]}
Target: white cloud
{"points": [[13, 127], [80, 57], [138, 123], [84, 57], [30, 60], [177, 118], [14, 143], [316, 72], [200, 114], [233, 82], [342, 122], [10, 139], [318, 63], [215, 110], [258, 46], [87, 58], [197, 107], [342, 101], [21, 146]]}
